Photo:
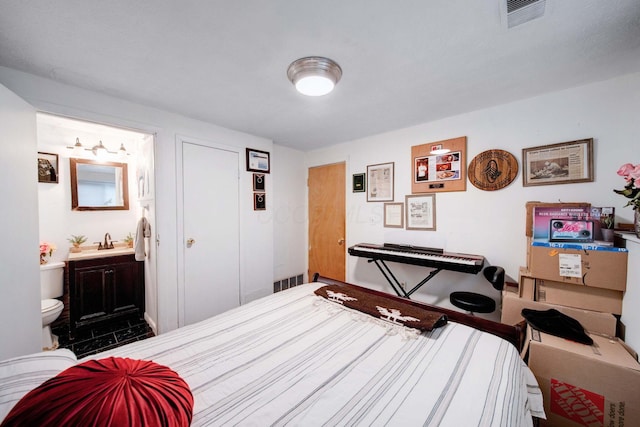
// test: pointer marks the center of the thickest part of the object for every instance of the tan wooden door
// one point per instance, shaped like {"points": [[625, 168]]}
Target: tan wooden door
{"points": [[327, 247]]}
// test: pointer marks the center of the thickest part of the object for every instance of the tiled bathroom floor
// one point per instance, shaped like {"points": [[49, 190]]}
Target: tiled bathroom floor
{"points": [[106, 337]]}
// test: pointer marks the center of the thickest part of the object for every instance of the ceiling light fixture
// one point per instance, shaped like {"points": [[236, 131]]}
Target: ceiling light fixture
{"points": [[314, 75]]}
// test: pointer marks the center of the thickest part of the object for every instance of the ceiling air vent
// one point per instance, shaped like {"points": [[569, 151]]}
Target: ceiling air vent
{"points": [[521, 11]]}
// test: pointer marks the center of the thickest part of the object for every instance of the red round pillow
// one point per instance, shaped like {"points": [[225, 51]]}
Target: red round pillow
{"points": [[107, 392]]}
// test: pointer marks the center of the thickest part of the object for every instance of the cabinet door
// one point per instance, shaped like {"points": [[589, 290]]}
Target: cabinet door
{"points": [[91, 293], [125, 289]]}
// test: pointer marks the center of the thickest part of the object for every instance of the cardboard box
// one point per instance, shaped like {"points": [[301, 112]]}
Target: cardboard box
{"points": [[593, 321], [599, 266], [530, 206], [527, 284], [597, 299], [585, 385]]}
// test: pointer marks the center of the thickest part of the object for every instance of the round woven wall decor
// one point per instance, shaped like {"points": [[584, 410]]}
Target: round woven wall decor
{"points": [[492, 170]]}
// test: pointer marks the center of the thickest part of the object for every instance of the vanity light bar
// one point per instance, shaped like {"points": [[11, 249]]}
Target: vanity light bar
{"points": [[97, 150]]}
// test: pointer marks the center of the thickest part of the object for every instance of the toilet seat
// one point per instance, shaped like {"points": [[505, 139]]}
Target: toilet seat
{"points": [[49, 305]]}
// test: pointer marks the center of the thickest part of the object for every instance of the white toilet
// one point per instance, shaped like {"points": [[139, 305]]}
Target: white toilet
{"points": [[51, 286]]}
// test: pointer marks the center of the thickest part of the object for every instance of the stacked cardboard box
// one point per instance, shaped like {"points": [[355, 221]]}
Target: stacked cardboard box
{"points": [[582, 385], [581, 276]]}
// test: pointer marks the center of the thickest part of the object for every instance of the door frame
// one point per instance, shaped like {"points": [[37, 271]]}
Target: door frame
{"points": [[347, 181], [180, 234]]}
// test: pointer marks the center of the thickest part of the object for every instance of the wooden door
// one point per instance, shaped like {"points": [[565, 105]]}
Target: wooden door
{"points": [[327, 247], [211, 231]]}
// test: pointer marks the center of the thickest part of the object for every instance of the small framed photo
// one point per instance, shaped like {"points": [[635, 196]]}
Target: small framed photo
{"points": [[563, 163], [380, 182], [258, 161], [394, 215], [259, 201], [48, 167], [359, 183], [421, 212], [258, 182]]}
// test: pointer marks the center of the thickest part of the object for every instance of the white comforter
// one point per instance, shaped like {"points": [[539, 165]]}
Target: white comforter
{"points": [[295, 359]]}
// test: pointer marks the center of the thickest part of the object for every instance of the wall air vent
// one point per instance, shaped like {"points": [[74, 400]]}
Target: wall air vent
{"points": [[521, 11]]}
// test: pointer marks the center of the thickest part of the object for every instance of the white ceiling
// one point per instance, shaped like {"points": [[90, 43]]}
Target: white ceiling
{"points": [[404, 62]]}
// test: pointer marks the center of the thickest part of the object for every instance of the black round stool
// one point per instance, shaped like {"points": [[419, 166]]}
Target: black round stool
{"points": [[472, 302], [478, 303]]}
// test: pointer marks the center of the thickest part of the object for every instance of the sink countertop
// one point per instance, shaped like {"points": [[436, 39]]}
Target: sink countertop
{"points": [[95, 253]]}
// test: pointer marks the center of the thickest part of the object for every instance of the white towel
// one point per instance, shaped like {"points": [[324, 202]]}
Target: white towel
{"points": [[144, 230]]}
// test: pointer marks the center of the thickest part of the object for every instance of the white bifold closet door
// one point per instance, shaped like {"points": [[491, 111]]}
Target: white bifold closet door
{"points": [[211, 231]]}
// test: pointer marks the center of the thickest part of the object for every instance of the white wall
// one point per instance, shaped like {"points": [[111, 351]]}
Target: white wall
{"points": [[257, 232], [630, 313], [288, 173], [20, 318], [492, 224]]}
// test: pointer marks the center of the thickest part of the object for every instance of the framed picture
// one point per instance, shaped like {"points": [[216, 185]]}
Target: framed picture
{"points": [[258, 161], [48, 167], [394, 215], [259, 201], [563, 163], [439, 166], [258, 182], [421, 211], [359, 183], [380, 182]]}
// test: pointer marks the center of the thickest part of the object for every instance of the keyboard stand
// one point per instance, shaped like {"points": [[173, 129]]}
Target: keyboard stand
{"points": [[395, 284]]}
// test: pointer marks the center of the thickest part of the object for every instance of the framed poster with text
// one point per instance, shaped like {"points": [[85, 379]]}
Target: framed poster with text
{"points": [[563, 163]]}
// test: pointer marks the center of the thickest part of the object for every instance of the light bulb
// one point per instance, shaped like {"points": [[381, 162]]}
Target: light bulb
{"points": [[314, 85]]}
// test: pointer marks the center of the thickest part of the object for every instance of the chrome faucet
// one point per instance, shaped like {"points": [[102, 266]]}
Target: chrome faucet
{"points": [[108, 243]]}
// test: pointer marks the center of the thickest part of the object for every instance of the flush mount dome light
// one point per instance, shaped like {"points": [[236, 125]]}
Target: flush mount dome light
{"points": [[314, 75]]}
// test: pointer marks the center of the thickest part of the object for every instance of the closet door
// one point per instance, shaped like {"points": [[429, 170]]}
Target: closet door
{"points": [[211, 231]]}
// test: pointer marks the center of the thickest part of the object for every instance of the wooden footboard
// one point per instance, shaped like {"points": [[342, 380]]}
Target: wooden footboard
{"points": [[514, 334]]}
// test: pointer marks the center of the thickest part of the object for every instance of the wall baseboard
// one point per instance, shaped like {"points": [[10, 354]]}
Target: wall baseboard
{"points": [[151, 323]]}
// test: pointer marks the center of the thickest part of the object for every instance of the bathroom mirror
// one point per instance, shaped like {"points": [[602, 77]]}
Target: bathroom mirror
{"points": [[97, 185]]}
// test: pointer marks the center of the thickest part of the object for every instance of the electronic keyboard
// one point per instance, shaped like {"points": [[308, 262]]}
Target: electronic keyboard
{"points": [[422, 256]]}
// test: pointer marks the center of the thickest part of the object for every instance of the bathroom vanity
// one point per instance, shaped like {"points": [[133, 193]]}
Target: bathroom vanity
{"points": [[104, 286]]}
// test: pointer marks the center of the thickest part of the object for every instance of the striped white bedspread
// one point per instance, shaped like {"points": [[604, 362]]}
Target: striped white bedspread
{"points": [[295, 359], [20, 375]]}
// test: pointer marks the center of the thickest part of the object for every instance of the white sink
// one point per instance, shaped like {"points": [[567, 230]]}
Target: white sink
{"points": [[95, 253]]}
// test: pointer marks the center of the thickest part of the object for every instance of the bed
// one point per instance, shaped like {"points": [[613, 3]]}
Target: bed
{"points": [[296, 358]]}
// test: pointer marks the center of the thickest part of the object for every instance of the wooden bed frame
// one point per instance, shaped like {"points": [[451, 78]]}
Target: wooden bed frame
{"points": [[514, 334]]}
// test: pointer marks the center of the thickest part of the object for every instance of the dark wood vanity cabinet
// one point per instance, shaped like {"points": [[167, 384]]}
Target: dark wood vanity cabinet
{"points": [[104, 289]]}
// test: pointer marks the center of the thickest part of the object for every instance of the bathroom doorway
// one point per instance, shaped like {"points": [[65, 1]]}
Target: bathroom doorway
{"points": [[63, 138]]}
